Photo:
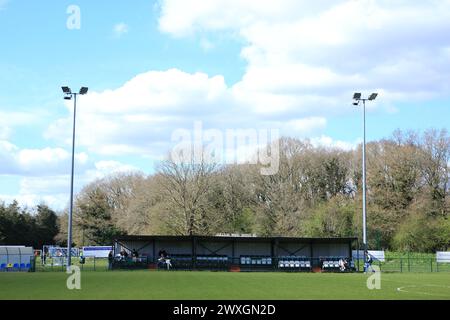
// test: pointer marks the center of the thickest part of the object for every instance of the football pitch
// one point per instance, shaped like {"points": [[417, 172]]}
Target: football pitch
{"points": [[179, 285]]}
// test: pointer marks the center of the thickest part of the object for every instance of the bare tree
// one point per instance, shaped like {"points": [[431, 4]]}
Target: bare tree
{"points": [[184, 186], [435, 160], [280, 195]]}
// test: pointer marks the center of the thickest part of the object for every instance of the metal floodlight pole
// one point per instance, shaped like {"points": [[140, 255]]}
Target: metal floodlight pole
{"points": [[357, 98], [364, 177], [69, 95], [69, 233]]}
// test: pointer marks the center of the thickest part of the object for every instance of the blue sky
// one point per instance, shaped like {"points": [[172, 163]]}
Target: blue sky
{"points": [[157, 66]]}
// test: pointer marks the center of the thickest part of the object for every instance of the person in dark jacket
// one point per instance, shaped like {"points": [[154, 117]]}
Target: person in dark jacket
{"points": [[110, 260], [368, 262]]}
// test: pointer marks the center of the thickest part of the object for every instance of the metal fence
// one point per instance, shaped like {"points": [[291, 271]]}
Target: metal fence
{"points": [[242, 263], [410, 265], [247, 263], [60, 264]]}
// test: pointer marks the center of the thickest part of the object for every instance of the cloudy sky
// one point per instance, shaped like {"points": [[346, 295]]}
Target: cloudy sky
{"points": [[157, 66]]}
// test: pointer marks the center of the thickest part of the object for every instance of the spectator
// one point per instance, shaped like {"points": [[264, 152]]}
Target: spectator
{"points": [[110, 260], [346, 264], [164, 260], [44, 255], [168, 264], [162, 254], [82, 259], [342, 265], [123, 255], [161, 259], [368, 262]]}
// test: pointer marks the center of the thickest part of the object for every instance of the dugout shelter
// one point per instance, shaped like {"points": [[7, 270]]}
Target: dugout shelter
{"points": [[16, 258], [236, 253]]}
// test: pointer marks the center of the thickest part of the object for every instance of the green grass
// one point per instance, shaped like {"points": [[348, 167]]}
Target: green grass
{"points": [[91, 264], [222, 285]]}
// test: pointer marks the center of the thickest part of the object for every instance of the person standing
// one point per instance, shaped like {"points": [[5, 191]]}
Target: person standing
{"points": [[368, 262], [110, 260], [44, 255], [341, 264]]}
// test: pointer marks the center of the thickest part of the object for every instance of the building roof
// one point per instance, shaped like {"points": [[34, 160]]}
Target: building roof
{"points": [[230, 238]]}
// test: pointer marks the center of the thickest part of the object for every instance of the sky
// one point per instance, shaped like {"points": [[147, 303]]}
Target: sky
{"points": [[155, 67]]}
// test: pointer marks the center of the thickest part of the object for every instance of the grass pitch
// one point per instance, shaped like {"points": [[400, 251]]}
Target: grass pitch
{"points": [[222, 285]]}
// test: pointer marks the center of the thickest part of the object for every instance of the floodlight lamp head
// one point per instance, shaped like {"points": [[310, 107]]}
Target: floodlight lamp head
{"points": [[356, 96], [84, 90], [66, 90], [373, 96], [68, 97]]}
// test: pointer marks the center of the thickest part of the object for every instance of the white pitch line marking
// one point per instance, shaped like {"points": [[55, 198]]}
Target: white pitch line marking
{"points": [[402, 289]]}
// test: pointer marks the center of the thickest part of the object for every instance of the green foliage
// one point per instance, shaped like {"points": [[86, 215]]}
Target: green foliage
{"points": [[334, 218], [20, 227], [244, 222], [46, 224], [95, 218], [423, 234]]}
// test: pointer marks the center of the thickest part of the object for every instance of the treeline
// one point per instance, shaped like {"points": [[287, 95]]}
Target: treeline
{"points": [[316, 193], [35, 227]]}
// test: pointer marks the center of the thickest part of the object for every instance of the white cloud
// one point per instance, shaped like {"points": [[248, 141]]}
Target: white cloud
{"points": [[37, 162], [44, 174], [5, 132], [6, 146], [328, 142], [54, 201], [54, 188], [305, 127], [300, 48], [120, 29], [182, 18], [10, 120], [50, 189], [139, 117], [51, 184], [304, 61], [107, 167]]}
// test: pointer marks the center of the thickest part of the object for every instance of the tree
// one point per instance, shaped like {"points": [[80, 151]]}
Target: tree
{"points": [[61, 237], [422, 233], [141, 214], [316, 192], [94, 217], [184, 186], [281, 197], [394, 171], [20, 227], [435, 159], [334, 218], [47, 225], [232, 197]]}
